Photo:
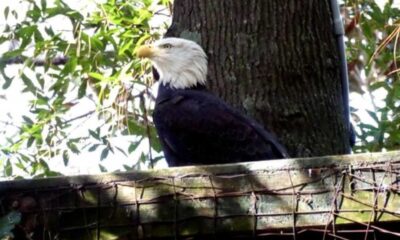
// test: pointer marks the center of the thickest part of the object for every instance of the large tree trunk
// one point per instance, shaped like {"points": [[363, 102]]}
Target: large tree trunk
{"points": [[277, 61]]}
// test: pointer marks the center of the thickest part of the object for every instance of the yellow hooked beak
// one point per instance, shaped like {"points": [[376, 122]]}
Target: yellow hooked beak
{"points": [[145, 51]]}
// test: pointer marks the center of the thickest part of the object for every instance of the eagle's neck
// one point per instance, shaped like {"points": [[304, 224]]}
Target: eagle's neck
{"points": [[165, 92]]}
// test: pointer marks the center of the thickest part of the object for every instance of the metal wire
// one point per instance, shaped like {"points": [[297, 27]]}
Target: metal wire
{"points": [[99, 204]]}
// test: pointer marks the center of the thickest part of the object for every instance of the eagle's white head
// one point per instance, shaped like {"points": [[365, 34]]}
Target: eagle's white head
{"points": [[181, 63]]}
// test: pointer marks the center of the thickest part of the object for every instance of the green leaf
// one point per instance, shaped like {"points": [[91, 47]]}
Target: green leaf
{"points": [[128, 168], [142, 158], [70, 66], [29, 86], [373, 116], [34, 13], [95, 134], [8, 168], [65, 157], [51, 12], [13, 54], [104, 154], [37, 36], [93, 147], [396, 91], [30, 141], [379, 84], [368, 126], [49, 173], [25, 158], [73, 15], [8, 80], [43, 4], [157, 159], [82, 89], [155, 141], [142, 39], [125, 47], [102, 168], [134, 128], [165, 2], [121, 151], [25, 34], [27, 120], [93, 41], [97, 76], [133, 146], [49, 30], [6, 12], [72, 146], [43, 165], [40, 80], [21, 166]]}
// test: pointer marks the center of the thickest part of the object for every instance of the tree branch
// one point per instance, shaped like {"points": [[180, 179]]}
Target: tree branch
{"points": [[61, 60], [39, 62]]}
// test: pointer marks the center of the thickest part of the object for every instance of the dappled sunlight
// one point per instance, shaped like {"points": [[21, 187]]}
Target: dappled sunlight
{"points": [[78, 102], [249, 199]]}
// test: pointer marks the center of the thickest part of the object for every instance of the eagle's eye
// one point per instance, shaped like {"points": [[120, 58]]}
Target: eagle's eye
{"points": [[166, 45]]}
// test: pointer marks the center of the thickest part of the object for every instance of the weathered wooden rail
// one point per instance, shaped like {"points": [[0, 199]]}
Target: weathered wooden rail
{"points": [[334, 197]]}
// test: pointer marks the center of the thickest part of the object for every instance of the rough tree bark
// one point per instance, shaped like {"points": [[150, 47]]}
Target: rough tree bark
{"points": [[275, 60]]}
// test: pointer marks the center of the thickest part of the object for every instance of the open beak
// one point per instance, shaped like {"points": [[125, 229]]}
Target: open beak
{"points": [[145, 51]]}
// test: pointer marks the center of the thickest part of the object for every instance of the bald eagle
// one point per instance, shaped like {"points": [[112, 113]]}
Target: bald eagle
{"points": [[194, 126]]}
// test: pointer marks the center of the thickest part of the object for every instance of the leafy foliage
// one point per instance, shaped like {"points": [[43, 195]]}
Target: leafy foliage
{"points": [[372, 47], [101, 76]]}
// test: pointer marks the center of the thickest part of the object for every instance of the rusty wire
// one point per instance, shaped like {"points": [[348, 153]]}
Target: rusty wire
{"points": [[379, 180]]}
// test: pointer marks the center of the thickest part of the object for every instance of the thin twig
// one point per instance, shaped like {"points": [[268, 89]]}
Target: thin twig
{"points": [[148, 132], [79, 117]]}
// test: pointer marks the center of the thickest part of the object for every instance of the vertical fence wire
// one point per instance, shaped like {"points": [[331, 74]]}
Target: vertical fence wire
{"points": [[215, 218], [139, 229], [98, 191], [295, 199], [176, 210], [332, 217]]}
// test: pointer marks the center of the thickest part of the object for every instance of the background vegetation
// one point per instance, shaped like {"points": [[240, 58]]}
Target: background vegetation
{"points": [[87, 91], [372, 33]]}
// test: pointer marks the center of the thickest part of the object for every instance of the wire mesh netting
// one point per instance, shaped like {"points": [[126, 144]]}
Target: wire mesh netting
{"points": [[351, 197]]}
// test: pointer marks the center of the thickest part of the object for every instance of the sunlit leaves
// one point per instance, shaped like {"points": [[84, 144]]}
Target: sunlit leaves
{"points": [[70, 66], [373, 58], [91, 60]]}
